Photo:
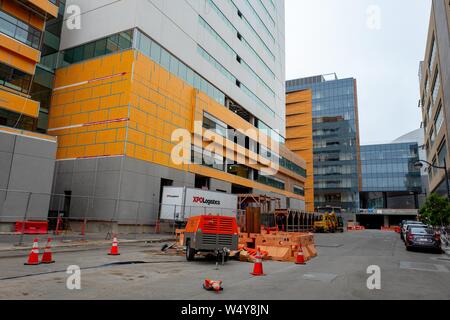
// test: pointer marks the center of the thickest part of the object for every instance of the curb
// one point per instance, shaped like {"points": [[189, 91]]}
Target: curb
{"points": [[88, 244]]}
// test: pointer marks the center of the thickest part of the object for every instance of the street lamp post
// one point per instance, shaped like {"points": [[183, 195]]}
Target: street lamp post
{"points": [[419, 164]]}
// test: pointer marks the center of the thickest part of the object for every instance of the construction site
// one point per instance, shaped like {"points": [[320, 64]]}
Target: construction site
{"points": [[260, 252], [156, 150]]}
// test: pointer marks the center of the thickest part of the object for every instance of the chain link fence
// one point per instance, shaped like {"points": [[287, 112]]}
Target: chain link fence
{"points": [[70, 217]]}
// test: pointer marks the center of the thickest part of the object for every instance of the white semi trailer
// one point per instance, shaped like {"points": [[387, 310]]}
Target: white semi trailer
{"points": [[179, 204]]}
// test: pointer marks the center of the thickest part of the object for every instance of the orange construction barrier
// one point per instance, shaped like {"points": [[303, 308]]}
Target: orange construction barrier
{"points": [[32, 227]]}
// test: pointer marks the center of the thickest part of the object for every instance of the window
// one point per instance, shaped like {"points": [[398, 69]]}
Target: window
{"points": [[259, 20], [433, 136], [89, 51], [100, 48], [439, 119], [430, 112], [432, 55], [232, 78], [212, 123], [155, 53], [165, 59], [270, 181], [111, 44], [228, 48], [436, 86], [19, 30], [442, 153], [299, 191], [208, 159], [14, 79]]}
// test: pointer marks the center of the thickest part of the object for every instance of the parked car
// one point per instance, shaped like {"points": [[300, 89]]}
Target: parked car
{"points": [[423, 238], [405, 225]]}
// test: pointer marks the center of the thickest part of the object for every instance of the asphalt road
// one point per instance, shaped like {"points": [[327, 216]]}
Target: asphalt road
{"points": [[339, 272]]}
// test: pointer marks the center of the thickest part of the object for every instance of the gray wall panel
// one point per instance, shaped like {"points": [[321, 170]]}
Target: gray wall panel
{"points": [[218, 185], [6, 142], [65, 166], [85, 165], [35, 148], [109, 164], [107, 184], [5, 164], [31, 174], [30, 169]]}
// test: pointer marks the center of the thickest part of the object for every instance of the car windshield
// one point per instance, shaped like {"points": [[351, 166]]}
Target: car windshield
{"points": [[412, 225], [419, 231]]}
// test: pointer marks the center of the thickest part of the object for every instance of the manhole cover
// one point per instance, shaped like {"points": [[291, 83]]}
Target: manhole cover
{"points": [[423, 266], [322, 277]]}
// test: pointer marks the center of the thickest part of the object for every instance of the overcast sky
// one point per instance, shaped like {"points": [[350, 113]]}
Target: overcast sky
{"points": [[378, 42]]}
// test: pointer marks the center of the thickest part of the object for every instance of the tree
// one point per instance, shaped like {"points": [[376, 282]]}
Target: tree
{"points": [[435, 211]]}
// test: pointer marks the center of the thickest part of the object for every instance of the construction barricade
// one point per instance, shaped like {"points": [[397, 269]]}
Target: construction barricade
{"points": [[277, 246], [395, 229], [31, 227], [356, 228]]}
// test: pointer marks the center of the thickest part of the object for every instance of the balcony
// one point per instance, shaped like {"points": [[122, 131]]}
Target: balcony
{"points": [[18, 103], [45, 7], [18, 55]]}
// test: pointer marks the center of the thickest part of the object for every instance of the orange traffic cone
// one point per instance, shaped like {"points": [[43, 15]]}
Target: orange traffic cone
{"points": [[213, 285], [33, 258], [258, 266], [300, 256], [114, 248], [47, 256]]}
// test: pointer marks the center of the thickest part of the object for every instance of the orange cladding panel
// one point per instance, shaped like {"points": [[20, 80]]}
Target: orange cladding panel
{"points": [[299, 136], [16, 103]]}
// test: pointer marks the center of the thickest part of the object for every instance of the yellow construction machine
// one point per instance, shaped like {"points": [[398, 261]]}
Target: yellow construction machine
{"points": [[330, 220]]}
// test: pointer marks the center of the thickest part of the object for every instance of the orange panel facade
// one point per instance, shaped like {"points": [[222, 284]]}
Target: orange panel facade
{"points": [[126, 104], [18, 55], [46, 7], [19, 104], [299, 136]]}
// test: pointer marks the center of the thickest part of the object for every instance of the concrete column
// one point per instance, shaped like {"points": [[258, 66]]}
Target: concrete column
{"points": [[386, 221]]}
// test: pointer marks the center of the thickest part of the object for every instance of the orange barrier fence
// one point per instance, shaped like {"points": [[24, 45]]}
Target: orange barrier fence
{"points": [[395, 229], [356, 228], [279, 246], [31, 227]]}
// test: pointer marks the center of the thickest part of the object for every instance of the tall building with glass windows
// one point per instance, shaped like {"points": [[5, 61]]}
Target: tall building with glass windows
{"points": [[335, 140], [27, 158], [391, 184], [434, 75], [389, 176], [137, 70]]}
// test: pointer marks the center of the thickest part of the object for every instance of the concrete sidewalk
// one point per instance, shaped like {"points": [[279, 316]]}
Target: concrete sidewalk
{"points": [[9, 242]]}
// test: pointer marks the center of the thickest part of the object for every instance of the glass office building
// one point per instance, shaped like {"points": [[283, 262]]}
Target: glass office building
{"points": [[336, 140], [389, 178]]}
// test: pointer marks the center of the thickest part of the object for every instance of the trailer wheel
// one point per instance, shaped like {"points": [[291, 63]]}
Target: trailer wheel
{"points": [[190, 253]]}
